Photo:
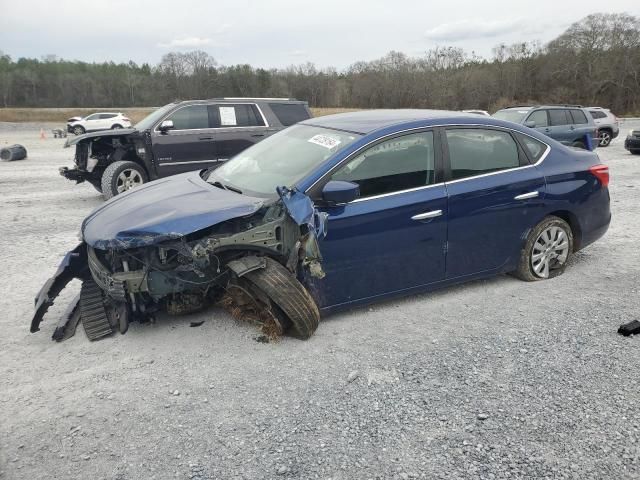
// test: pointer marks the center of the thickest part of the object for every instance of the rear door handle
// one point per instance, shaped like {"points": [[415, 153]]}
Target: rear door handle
{"points": [[526, 196], [427, 215], [258, 135], [205, 138]]}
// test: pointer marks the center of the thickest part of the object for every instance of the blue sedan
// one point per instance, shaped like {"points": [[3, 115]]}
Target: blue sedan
{"points": [[334, 212]]}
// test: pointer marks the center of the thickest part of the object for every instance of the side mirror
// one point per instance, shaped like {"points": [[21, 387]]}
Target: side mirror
{"points": [[338, 192], [530, 124], [165, 126]]}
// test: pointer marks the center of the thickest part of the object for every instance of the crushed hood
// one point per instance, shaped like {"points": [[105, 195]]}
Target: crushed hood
{"points": [[163, 210], [100, 134]]}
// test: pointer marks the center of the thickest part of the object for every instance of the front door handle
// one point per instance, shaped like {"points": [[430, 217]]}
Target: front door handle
{"points": [[526, 196], [258, 135], [205, 138], [427, 215]]}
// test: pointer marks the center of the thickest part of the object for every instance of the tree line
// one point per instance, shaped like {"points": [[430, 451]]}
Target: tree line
{"points": [[596, 61]]}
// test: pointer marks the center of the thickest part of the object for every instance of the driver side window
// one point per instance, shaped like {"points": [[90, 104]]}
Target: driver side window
{"points": [[539, 117], [401, 163]]}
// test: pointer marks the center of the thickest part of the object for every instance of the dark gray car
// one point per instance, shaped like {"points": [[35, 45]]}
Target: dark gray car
{"points": [[569, 124], [177, 138]]}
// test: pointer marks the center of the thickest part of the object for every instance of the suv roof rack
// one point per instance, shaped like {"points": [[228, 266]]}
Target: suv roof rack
{"points": [[546, 105], [521, 106]]}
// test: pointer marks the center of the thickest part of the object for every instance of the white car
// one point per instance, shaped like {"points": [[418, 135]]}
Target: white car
{"points": [[97, 121]]}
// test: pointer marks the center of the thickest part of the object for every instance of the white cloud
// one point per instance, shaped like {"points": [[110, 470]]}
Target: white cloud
{"points": [[476, 28], [186, 42], [297, 53]]}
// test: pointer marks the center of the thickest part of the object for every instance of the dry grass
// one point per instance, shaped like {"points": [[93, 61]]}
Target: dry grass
{"points": [[61, 114], [135, 114]]}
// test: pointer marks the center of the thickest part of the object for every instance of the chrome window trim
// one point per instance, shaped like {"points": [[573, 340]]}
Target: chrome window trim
{"points": [[357, 152], [185, 163], [214, 104]]}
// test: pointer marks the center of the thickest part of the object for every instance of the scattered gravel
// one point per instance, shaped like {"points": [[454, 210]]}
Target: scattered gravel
{"points": [[490, 380]]}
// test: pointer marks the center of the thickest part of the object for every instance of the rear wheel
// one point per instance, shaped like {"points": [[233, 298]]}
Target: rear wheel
{"points": [[547, 250], [290, 297], [605, 138], [122, 176], [116, 127], [78, 130]]}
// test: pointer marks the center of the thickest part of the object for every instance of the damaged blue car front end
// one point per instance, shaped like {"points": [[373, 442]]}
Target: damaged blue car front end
{"points": [[178, 245]]}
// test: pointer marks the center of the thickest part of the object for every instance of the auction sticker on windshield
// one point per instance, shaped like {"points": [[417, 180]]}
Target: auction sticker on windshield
{"points": [[324, 141]]}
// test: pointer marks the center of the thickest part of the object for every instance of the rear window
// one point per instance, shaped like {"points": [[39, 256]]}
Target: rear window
{"points": [[534, 148], [579, 118], [240, 115], [289, 113], [597, 114]]}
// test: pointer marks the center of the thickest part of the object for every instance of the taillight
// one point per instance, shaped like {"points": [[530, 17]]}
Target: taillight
{"points": [[601, 172]]}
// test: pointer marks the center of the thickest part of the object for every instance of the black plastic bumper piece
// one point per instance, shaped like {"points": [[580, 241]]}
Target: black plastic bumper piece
{"points": [[74, 174], [631, 328], [73, 265]]}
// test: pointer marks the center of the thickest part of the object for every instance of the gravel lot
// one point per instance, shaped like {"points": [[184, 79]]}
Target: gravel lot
{"points": [[493, 379]]}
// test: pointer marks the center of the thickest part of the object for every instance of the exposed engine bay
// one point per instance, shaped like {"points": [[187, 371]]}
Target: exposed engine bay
{"points": [[250, 264]]}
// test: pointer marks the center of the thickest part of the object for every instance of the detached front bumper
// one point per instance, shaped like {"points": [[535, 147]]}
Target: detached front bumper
{"points": [[73, 265]]}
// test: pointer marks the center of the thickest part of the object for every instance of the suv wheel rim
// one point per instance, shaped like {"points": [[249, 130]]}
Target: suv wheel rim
{"points": [[605, 139], [128, 179], [550, 251], [77, 131]]}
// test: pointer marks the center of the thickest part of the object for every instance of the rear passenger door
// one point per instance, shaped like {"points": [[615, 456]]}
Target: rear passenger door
{"points": [[237, 127], [561, 125], [580, 125], [495, 195], [189, 145]]}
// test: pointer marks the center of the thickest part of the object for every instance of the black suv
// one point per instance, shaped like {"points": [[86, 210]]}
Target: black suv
{"points": [[177, 138]]}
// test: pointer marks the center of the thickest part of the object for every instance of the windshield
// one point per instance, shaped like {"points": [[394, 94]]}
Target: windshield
{"points": [[147, 122], [281, 160], [515, 116]]}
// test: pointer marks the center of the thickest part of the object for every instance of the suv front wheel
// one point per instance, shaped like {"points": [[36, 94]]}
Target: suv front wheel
{"points": [[122, 176]]}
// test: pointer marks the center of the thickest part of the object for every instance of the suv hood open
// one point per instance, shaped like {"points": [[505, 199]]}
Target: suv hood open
{"points": [[99, 134], [163, 210]]}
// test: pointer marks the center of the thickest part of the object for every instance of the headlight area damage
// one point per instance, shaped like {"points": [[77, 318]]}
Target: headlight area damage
{"points": [[250, 264]]}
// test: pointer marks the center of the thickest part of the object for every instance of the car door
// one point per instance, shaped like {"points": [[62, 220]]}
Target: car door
{"points": [[539, 119], [580, 125], [392, 237], [92, 122], [495, 195], [561, 126], [238, 126], [189, 145], [106, 120]]}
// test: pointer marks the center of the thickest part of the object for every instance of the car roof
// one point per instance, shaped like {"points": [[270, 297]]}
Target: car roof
{"points": [[531, 107], [367, 121], [241, 99]]}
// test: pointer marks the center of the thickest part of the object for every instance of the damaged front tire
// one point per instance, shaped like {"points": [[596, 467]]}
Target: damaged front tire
{"points": [[288, 294]]}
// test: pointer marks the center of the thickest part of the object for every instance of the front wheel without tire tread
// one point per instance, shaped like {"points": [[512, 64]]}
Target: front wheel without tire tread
{"points": [[547, 250], [122, 176], [289, 295]]}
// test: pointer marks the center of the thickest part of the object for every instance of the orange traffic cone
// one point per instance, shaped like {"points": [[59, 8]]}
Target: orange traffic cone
{"points": [[42, 137]]}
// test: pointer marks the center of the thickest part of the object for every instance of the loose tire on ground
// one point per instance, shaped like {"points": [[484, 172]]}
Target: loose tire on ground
{"points": [[120, 177], [525, 270], [289, 295]]}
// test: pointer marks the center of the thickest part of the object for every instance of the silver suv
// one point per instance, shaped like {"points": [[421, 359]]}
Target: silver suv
{"points": [[607, 123], [569, 124]]}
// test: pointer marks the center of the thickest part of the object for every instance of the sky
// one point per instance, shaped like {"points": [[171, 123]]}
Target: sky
{"points": [[279, 33]]}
